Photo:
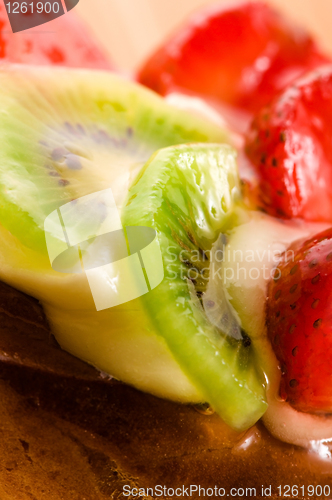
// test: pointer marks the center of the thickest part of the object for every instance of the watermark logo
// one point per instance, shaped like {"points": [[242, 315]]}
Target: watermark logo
{"points": [[24, 15], [121, 263]]}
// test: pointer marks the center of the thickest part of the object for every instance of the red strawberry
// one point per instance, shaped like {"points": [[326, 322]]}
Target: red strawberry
{"points": [[299, 323], [289, 144], [65, 41], [239, 55]]}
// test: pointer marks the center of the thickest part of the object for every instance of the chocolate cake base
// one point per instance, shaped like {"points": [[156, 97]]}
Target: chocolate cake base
{"points": [[68, 432]]}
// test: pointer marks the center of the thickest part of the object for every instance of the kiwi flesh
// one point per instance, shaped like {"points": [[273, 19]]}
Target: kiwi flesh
{"points": [[188, 194], [67, 134], [53, 121]]}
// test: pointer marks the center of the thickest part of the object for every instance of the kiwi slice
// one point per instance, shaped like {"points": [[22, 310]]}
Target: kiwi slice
{"points": [[68, 133], [187, 195]]}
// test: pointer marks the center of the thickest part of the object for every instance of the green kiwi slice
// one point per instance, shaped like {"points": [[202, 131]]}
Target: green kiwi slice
{"points": [[188, 195], [68, 133]]}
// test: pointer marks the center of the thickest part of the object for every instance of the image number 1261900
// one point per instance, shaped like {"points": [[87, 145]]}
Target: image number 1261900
{"points": [[24, 15]]}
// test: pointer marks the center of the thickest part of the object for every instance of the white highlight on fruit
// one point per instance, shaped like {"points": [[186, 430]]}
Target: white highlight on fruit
{"points": [[235, 120], [225, 118], [196, 105]]}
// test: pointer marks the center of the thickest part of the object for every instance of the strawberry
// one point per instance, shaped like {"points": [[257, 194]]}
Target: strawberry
{"points": [[289, 145], [64, 41], [299, 323], [239, 55]]}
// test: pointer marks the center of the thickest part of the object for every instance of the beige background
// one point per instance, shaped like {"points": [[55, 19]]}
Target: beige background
{"points": [[131, 29]]}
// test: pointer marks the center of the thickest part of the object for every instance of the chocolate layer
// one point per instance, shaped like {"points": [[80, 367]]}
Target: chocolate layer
{"points": [[69, 432]]}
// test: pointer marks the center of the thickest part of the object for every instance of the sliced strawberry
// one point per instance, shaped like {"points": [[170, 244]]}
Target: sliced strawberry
{"points": [[64, 41], [299, 323], [289, 144], [239, 55]]}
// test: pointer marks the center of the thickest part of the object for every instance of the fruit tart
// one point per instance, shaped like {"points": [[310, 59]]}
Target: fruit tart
{"points": [[179, 332]]}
